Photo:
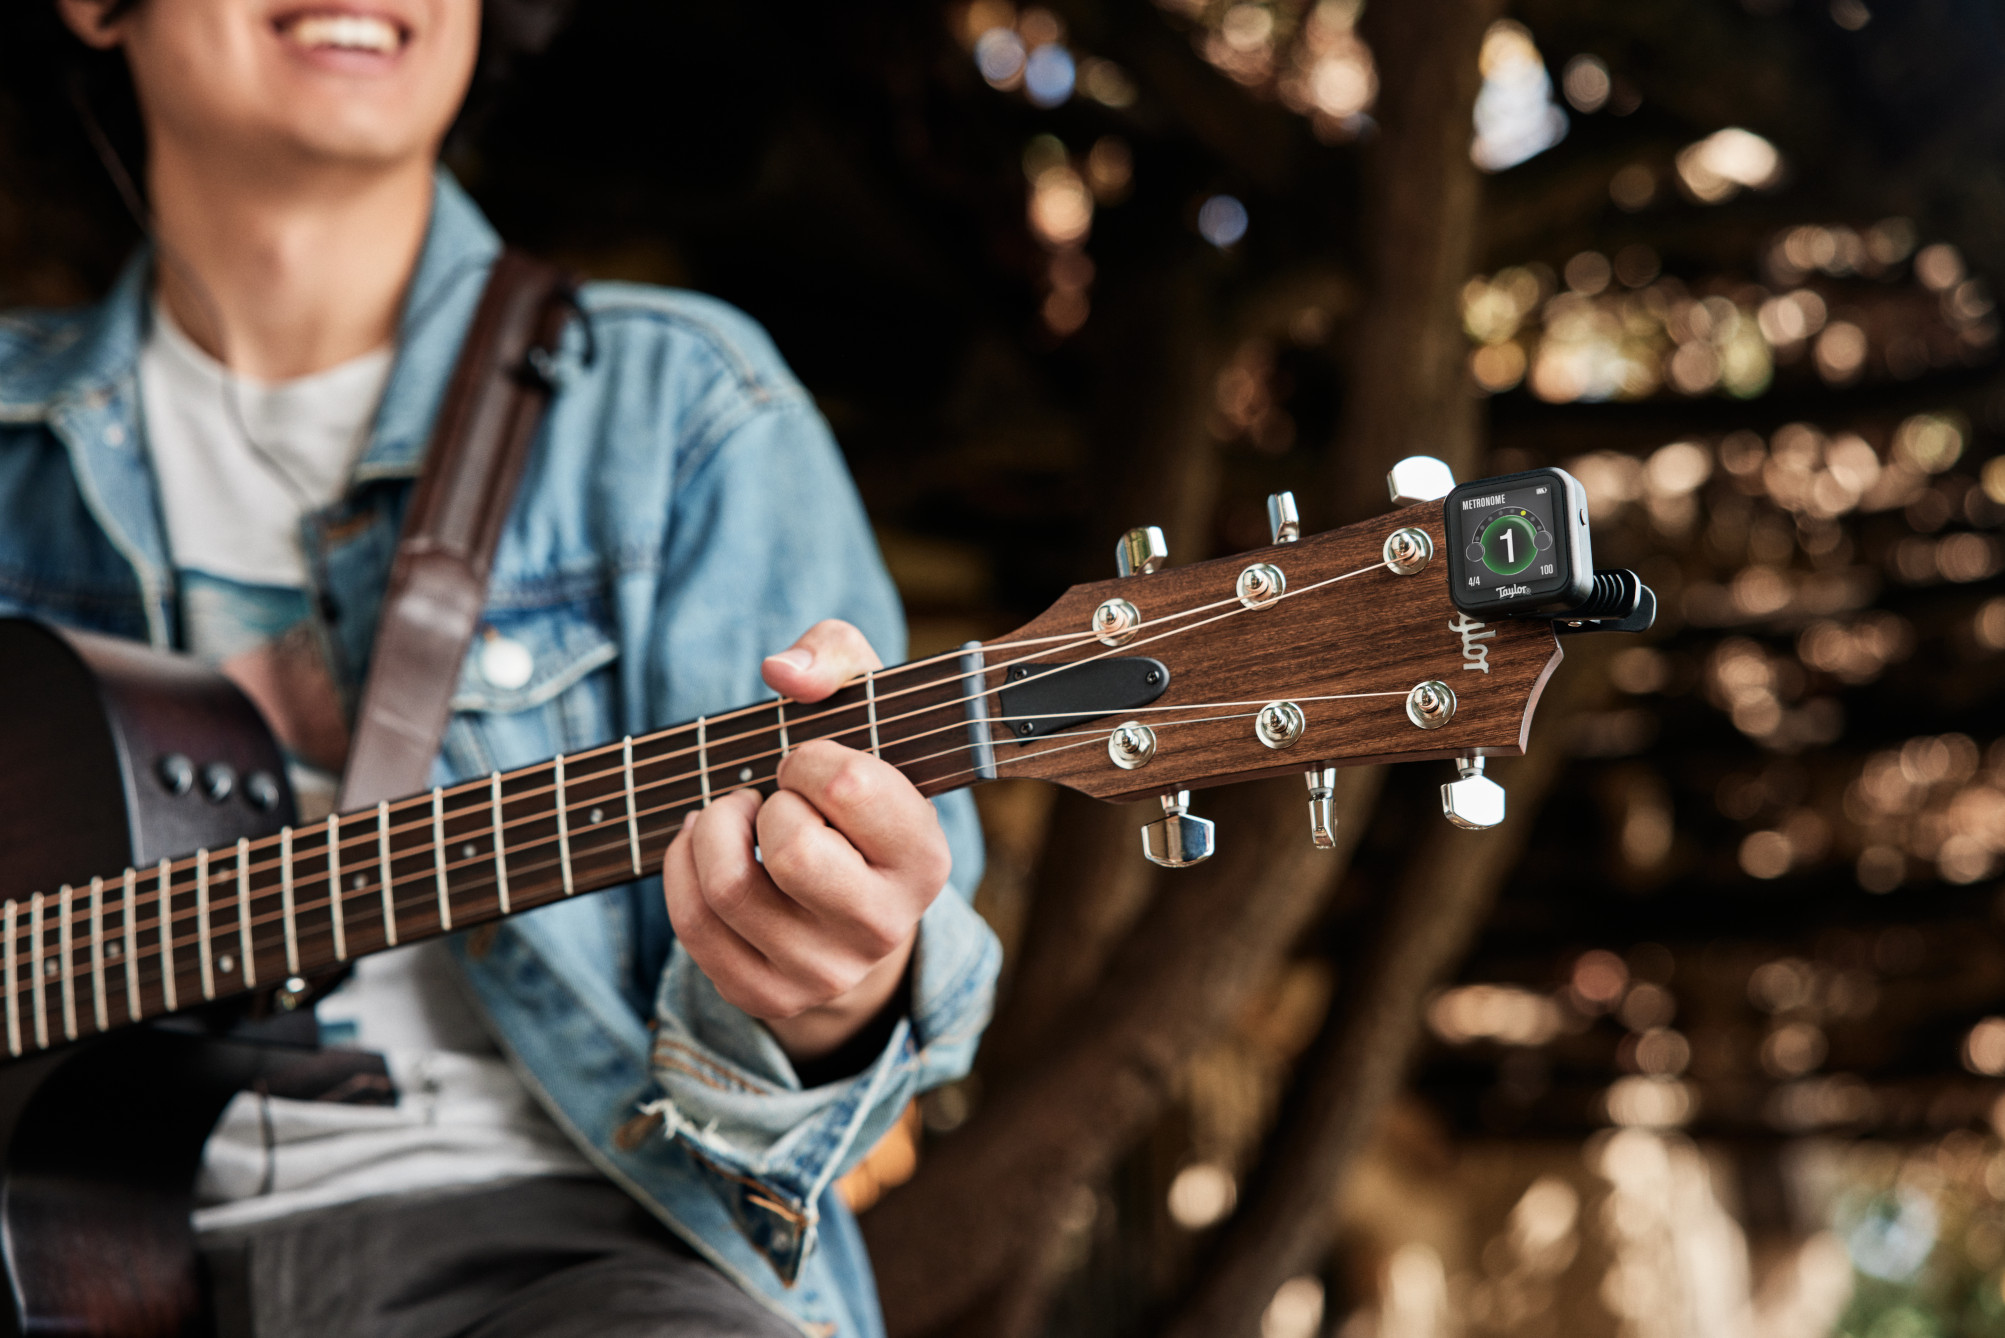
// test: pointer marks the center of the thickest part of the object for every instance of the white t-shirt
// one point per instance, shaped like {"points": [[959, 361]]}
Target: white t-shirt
{"points": [[239, 464]]}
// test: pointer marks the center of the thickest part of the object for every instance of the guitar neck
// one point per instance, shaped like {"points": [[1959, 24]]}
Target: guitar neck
{"points": [[146, 942]]}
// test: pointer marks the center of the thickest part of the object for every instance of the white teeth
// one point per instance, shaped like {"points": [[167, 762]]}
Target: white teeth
{"points": [[345, 32]]}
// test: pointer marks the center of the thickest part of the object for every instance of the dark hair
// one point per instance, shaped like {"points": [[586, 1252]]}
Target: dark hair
{"points": [[69, 122]]}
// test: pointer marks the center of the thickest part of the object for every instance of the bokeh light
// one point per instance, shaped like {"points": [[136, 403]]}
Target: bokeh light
{"points": [[1221, 220], [1516, 117]]}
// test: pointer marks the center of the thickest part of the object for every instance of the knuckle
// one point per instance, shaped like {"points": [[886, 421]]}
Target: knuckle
{"points": [[882, 935], [729, 893], [851, 781]]}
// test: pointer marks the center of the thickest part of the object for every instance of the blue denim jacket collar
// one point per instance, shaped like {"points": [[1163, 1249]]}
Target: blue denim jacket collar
{"points": [[88, 391]]}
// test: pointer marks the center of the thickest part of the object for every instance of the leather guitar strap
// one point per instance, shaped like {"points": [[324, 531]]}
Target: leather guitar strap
{"points": [[438, 582]]}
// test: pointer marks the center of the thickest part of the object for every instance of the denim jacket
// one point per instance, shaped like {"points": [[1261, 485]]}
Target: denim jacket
{"points": [[684, 513]]}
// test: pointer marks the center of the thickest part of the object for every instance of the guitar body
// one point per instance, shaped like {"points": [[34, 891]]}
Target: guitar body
{"points": [[100, 1141]]}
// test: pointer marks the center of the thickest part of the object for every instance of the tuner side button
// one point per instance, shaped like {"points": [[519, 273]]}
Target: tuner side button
{"points": [[218, 780], [1141, 552], [1178, 839], [176, 773]]}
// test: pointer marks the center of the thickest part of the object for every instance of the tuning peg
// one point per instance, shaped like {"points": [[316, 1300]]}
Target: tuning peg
{"points": [[1473, 801], [1141, 551], [1419, 478], [1282, 518], [1322, 823], [1178, 839]]}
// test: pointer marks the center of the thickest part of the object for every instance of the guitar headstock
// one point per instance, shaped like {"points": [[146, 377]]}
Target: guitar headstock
{"points": [[1336, 649]]}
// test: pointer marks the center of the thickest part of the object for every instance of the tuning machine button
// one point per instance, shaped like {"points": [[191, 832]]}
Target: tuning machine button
{"points": [[1419, 478], [1322, 794], [1473, 800], [1178, 839], [1141, 551], [1283, 521]]}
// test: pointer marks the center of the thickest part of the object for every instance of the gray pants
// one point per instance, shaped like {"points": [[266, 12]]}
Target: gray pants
{"points": [[545, 1258]]}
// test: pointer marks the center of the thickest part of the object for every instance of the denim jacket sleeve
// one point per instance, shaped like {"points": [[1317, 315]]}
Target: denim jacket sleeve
{"points": [[766, 537]]}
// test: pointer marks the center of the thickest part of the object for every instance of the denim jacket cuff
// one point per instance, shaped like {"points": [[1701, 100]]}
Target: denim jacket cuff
{"points": [[770, 1147]]}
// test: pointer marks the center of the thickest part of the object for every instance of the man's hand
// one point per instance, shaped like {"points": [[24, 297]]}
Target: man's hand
{"points": [[814, 940]]}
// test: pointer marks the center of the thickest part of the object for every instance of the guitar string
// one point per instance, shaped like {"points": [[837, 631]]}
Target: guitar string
{"points": [[529, 871], [372, 891], [1128, 644], [367, 837], [420, 803], [45, 980]]}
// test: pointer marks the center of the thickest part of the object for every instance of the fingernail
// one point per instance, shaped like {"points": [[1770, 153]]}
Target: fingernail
{"points": [[800, 657]]}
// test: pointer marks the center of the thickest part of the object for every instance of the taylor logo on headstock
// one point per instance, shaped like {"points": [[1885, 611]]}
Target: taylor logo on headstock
{"points": [[1475, 655]]}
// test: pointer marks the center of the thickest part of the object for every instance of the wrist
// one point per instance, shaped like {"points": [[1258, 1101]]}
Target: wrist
{"points": [[871, 1006]]}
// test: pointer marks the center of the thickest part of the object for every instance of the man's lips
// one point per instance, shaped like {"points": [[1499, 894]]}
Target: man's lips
{"points": [[343, 30]]}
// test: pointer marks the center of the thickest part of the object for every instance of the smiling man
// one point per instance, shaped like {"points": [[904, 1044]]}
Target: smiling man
{"points": [[623, 1115]]}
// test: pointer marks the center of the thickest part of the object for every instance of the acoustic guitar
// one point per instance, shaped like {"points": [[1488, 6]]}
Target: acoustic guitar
{"points": [[155, 872]]}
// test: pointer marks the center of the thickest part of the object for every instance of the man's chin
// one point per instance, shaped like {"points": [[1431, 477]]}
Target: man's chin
{"points": [[362, 142]]}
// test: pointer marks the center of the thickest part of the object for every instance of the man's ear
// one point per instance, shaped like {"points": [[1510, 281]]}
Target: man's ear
{"points": [[86, 18]]}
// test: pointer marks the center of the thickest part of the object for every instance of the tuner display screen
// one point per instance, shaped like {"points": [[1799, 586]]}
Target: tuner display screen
{"points": [[1516, 542]]}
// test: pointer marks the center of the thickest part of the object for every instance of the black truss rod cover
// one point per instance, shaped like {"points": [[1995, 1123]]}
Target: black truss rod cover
{"points": [[1038, 700]]}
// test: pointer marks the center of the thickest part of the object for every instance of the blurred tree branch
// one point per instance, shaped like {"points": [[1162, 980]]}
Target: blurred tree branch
{"points": [[1355, 1066], [1408, 391], [1213, 934]]}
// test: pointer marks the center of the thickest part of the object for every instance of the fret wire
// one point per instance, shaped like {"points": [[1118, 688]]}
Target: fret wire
{"points": [[244, 911], [35, 971], [202, 944], [99, 1013], [13, 998], [780, 708], [383, 826], [702, 750], [383, 871], [500, 842], [131, 881], [953, 678], [285, 896], [563, 830], [334, 887], [633, 820], [703, 759], [167, 989], [166, 869], [439, 859], [870, 699], [63, 900]]}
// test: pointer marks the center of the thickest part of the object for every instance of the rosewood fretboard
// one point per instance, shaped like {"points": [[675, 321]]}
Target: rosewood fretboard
{"points": [[88, 958]]}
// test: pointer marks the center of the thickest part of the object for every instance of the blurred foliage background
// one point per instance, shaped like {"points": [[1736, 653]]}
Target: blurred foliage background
{"points": [[1704, 1043]]}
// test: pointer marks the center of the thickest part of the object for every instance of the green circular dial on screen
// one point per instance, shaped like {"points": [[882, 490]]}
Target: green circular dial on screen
{"points": [[1510, 542]]}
